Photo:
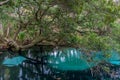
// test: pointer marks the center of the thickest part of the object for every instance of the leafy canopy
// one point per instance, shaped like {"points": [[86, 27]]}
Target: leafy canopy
{"points": [[87, 24]]}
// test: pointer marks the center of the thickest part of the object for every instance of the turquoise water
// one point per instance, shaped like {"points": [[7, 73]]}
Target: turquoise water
{"points": [[66, 64]]}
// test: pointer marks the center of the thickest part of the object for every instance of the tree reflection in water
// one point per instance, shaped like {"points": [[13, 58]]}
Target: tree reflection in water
{"points": [[36, 68]]}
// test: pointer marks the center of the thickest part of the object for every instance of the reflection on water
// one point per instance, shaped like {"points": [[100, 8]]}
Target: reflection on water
{"points": [[64, 64], [71, 59]]}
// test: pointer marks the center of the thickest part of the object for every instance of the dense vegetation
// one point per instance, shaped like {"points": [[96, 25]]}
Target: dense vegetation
{"points": [[91, 25]]}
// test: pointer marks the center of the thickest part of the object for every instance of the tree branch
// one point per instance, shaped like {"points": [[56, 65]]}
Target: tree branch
{"points": [[4, 2]]}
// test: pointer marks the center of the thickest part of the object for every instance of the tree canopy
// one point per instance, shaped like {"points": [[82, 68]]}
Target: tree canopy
{"points": [[91, 25]]}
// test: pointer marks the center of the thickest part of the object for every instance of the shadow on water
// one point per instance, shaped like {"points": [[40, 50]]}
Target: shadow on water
{"points": [[36, 67]]}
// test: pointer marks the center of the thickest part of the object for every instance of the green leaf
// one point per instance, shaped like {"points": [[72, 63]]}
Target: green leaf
{"points": [[22, 35]]}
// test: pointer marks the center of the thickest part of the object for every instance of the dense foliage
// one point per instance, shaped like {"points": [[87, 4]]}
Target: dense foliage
{"points": [[87, 24]]}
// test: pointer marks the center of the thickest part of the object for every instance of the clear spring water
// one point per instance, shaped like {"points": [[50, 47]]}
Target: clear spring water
{"points": [[69, 67]]}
